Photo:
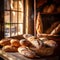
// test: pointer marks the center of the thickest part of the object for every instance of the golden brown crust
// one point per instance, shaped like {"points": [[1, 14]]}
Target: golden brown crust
{"points": [[43, 51], [9, 48], [24, 42], [27, 36], [15, 42], [4, 42], [26, 52], [35, 42], [50, 43]]}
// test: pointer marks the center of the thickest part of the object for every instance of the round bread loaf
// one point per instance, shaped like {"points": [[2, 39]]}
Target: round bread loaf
{"points": [[24, 42], [9, 48], [15, 42], [26, 52], [35, 42]]}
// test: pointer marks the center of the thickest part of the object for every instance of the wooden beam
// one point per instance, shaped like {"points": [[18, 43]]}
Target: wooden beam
{"points": [[35, 17]]}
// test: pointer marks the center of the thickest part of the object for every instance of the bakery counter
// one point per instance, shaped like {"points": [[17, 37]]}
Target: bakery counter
{"points": [[17, 56]]}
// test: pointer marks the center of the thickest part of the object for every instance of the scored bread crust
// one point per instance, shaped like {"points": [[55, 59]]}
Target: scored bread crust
{"points": [[26, 52], [35, 42]]}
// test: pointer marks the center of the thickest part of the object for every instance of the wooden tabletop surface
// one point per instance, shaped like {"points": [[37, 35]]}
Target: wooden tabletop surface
{"points": [[18, 56]]}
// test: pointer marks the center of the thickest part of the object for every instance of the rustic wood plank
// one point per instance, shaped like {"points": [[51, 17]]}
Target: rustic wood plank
{"points": [[18, 56]]}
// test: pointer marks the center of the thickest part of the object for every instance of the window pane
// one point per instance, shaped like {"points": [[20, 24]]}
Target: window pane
{"points": [[7, 16], [20, 29], [7, 4], [13, 4], [20, 17], [20, 5], [7, 30], [13, 17], [13, 29]]}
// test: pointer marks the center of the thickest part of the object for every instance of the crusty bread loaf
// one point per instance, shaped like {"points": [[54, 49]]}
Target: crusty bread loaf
{"points": [[39, 25], [43, 51], [27, 36], [56, 30], [51, 8], [26, 52], [50, 43], [35, 42], [15, 42], [5, 41], [45, 9], [53, 26], [46, 49], [24, 42], [43, 39], [9, 48]]}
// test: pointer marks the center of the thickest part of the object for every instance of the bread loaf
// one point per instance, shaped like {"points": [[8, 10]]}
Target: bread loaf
{"points": [[5, 41], [51, 8], [56, 30], [25, 51], [39, 25], [15, 42], [43, 51], [35, 42], [24, 42], [9, 48], [27, 35], [53, 26], [46, 49], [43, 39], [45, 9], [50, 43]]}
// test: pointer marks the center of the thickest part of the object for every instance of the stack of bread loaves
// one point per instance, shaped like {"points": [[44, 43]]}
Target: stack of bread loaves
{"points": [[9, 44], [30, 46]]}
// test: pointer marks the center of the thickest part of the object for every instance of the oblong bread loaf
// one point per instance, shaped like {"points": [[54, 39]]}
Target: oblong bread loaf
{"points": [[25, 51], [9, 48]]}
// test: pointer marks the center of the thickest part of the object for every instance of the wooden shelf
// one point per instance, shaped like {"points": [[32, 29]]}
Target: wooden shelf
{"points": [[50, 13]]}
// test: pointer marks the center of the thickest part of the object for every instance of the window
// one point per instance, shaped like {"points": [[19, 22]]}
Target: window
{"points": [[13, 17]]}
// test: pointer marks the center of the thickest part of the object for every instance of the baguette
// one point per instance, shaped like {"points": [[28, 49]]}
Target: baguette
{"points": [[25, 51], [49, 30], [56, 30]]}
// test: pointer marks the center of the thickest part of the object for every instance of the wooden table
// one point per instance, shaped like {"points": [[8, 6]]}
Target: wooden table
{"points": [[18, 56]]}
